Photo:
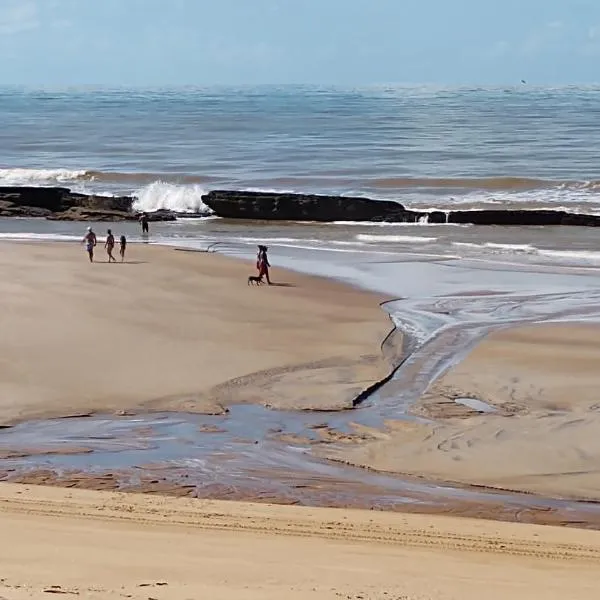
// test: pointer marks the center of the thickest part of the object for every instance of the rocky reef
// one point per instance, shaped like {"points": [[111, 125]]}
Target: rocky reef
{"points": [[308, 207], [58, 203], [61, 204]]}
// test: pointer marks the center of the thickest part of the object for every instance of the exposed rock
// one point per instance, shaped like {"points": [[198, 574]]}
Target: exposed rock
{"points": [[60, 204], [49, 198], [161, 214], [522, 217], [304, 207], [114, 203], [91, 214], [101, 215], [9, 209]]}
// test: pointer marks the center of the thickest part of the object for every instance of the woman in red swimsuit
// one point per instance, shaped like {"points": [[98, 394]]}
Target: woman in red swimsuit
{"points": [[262, 263]]}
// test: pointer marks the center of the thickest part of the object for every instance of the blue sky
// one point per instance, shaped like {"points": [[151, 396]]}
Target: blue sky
{"points": [[343, 42]]}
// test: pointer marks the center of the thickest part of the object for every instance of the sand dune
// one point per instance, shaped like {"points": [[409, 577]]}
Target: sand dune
{"points": [[176, 330], [101, 545], [544, 381]]}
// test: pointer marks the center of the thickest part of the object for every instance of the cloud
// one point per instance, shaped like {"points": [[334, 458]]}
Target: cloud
{"points": [[18, 16]]}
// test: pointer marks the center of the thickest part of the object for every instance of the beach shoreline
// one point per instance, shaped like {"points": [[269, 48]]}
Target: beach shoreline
{"points": [[286, 386]]}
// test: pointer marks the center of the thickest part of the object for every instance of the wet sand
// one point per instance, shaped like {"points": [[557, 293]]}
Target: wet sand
{"points": [[178, 331], [538, 434], [138, 546]]}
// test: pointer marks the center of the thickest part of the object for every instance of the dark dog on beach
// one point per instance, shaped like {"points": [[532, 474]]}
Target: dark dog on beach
{"points": [[253, 279]]}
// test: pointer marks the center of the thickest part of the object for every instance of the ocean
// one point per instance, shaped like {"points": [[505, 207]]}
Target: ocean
{"points": [[425, 147]]}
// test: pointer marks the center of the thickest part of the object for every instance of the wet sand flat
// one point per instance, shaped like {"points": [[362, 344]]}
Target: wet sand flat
{"points": [[541, 383], [178, 331], [137, 546]]}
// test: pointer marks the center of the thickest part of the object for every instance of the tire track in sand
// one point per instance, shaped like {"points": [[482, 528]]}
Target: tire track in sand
{"points": [[160, 512]]}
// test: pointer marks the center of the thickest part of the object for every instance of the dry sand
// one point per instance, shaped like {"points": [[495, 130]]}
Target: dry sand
{"points": [[545, 438], [175, 330], [108, 545]]}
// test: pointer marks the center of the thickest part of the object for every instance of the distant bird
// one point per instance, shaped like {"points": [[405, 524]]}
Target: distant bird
{"points": [[523, 81]]}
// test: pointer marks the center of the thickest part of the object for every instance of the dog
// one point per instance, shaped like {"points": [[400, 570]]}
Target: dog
{"points": [[254, 279]]}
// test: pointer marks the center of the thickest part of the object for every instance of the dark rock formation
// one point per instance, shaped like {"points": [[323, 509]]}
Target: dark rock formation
{"points": [[60, 204], [90, 214], [114, 203], [521, 217], [50, 199], [303, 207], [10, 209]]}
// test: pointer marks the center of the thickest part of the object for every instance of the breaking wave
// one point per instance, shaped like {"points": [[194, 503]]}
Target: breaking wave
{"points": [[38, 177], [169, 196], [412, 239]]}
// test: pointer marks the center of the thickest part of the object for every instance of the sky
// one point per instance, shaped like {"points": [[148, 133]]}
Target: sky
{"points": [[325, 42]]}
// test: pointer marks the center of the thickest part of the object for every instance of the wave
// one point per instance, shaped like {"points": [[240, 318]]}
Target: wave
{"points": [[114, 177], [179, 198], [529, 249], [482, 183], [412, 239], [39, 176], [22, 176], [587, 255], [496, 246], [41, 237]]}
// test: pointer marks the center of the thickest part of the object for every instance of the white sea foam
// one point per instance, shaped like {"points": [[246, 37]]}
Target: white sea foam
{"points": [[169, 196], [404, 224], [511, 247], [495, 246], [577, 255], [288, 240], [39, 177], [528, 249], [41, 237], [410, 239]]}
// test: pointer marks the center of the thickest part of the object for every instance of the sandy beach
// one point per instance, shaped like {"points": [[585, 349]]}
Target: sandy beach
{"points": [[141, 547], [182, 331], [176, 330], [541, 382]]}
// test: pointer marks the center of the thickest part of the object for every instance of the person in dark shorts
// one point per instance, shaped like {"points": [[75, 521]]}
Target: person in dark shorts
{"points": [[109, 245], [144, 222], [123, 244]]}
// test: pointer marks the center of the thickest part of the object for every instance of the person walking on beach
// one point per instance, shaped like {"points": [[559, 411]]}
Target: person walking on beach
{"points": [[109, 245], [90, 241], [144, 222], [262, 263], [123, 244]]}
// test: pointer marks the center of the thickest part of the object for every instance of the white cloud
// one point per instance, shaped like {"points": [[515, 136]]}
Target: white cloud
{"points": [[17, 16]]}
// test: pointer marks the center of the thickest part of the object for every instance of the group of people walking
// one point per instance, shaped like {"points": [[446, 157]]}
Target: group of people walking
{"points": [[91, 241]]}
